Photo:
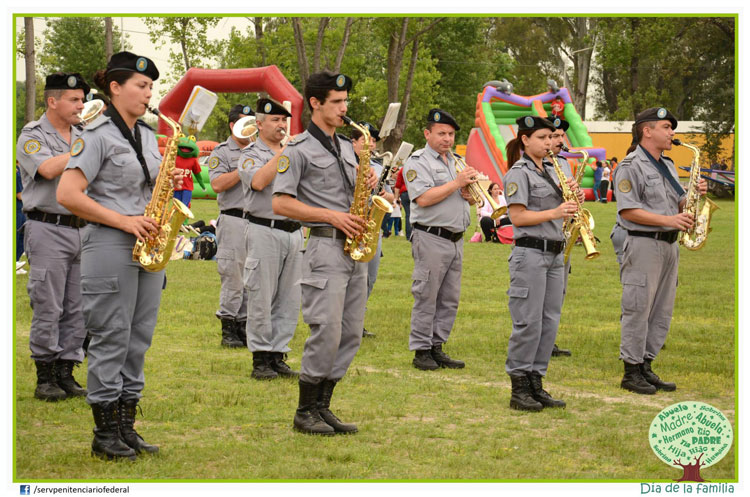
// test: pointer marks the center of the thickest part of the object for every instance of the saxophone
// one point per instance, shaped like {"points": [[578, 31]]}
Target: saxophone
{"points": [[695, 237], [580, 223], [580, 171], [168, 212], [371, 208]]}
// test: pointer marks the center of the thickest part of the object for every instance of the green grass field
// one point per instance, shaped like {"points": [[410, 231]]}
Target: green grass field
{"points": [[212, 421]]}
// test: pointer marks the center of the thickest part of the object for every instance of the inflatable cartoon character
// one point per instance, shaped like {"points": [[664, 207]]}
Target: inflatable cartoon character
{"points": [[187, 158]]}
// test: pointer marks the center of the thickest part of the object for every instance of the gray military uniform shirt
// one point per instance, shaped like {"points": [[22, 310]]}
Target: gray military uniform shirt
{"points": [[305, 157], [252, 158], [39, 141], [525, 185], [424, 170], [223, 160], [111, 166], [640, 185]]}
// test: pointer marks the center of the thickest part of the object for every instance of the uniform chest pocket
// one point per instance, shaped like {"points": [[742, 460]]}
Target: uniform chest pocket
{"points": [[324, 170], [118, 163], [441, 176], [654, 189], [542, 196]]}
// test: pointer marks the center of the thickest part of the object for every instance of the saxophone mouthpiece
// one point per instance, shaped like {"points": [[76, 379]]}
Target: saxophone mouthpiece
{"points": [[346, 120], [565, 149], [676, 142], [153, 110]]}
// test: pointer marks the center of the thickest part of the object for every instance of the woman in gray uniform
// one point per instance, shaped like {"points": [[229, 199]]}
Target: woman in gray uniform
{"points": [[108, 181], [537, 210]]}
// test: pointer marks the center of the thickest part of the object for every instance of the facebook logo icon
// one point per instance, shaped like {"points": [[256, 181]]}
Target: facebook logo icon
{"points": [[25, 489]]}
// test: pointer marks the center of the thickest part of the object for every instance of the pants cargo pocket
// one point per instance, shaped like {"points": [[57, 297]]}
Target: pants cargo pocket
{"points": [[252, 274], [313, 300], [518, 304], [420, 277], [633, 291], [225, 260], [102, 309]]}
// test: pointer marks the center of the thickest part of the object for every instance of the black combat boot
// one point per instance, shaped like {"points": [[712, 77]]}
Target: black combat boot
{"points": [[558, 352], [276, 361], [107, 443], [65, 380], [262, 369], [423, 360], [307, 418], [46, 383], [634, 381], [241, 332], [540, 394], [324, 404], [131, 437], [228, 336], [653, 379], [521, 396], [443, 360]]}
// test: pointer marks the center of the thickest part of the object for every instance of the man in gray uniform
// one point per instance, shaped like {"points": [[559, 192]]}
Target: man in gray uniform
{"points": [[52, 240], [649, 206], [230, 232], [439, 216], [558, 140], [274, 250], [358, 140], [315, 184]]}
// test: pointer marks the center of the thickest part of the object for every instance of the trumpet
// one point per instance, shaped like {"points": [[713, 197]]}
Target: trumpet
{"points": [[91, 111], [478, 194], [245, 128]]}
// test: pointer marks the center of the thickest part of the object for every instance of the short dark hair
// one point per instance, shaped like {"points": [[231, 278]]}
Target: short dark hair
{"points": [[102, 79], [313, 87], [234, 113], [355, 134], [56, 94]]}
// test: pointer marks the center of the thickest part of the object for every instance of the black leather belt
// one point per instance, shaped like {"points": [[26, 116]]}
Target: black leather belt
{"points": [[328, 232], [441, 232], [70, 221], [555, 246], [664, 236], [279, 224], [233, 212]]}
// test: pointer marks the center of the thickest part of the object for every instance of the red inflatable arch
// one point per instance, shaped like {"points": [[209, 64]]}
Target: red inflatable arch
{"points": [[268, 79]]}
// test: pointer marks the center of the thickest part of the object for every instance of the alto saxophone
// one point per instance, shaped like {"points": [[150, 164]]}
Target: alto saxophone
{"points": [[371, 208], [168, 212], [695, 237], [580, 223]]}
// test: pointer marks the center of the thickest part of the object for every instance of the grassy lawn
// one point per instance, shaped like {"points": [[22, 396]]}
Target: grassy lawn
{"points": [[212, 421]]}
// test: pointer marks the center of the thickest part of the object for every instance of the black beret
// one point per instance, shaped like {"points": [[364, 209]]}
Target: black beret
{"points": [[441, 117], [559, 123], [374, 132], [127, 61], [534, 122], [656, 114], [66, 81], [326, 80], [268, 106]]}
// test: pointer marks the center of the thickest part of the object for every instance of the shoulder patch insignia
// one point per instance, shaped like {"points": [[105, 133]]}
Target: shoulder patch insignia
{"points": [[282, 164], [213, 162], [249, 162], [32, 147], [512, 189], [77, 147], [411, 175], [624, 186]]}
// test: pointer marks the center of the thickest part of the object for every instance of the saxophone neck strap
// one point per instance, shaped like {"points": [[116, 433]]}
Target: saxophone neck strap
{"points": [[332, 145], [135, 141], [664, 171]]}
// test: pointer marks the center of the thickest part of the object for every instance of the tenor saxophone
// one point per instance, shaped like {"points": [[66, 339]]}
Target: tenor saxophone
{"points": [[168, 212], [371, 208], [580, 223], [695, 237]]}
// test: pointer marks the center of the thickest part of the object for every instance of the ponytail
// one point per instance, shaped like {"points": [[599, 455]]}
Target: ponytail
{"points": [[514, 148]]}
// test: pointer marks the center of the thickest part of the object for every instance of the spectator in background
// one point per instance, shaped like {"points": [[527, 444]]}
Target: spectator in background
{"points": [[612, 166], [485, 214], [597, 179], [394, 220], [20, 220], [402, 193], [604, 185]]}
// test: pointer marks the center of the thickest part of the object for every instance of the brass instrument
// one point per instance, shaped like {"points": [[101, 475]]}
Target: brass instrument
{"points": [[372, 209], [580, 171], [245, 128], [580, 223], [168, 212], [91, 111], [386, 156], [695, 237], [478, 193]]}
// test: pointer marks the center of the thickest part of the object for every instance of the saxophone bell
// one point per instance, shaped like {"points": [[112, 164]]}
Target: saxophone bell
{"points": [[695, 237]]}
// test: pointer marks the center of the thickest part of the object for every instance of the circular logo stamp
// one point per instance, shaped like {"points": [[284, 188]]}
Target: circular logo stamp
{"points": [[436, 117], [557, 122], [32, 147], [249, 162], [267, 108], [246, 110], [340, 81], [690, 435], [661, 113], [141, 64], [529, 122], [512, 189], [213, 162], [411, 175], [624, 186], [77, 147], [72, 81], [282, 164]]}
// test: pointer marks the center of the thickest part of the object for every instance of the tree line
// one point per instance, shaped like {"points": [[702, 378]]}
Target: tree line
{"points": [[622, 64]]}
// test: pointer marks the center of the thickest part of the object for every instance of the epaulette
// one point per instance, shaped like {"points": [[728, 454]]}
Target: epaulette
{"points": [[418, 153], [343, 137], [625, 162], [300, 138], [100, 119], [143, 123], [31, 124]]}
